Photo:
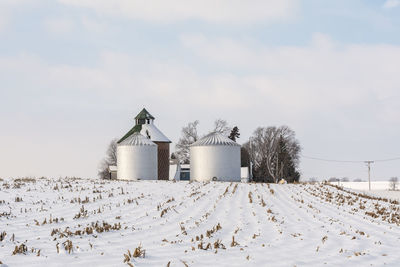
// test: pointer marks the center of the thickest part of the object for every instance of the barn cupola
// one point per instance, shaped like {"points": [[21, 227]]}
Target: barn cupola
{"points": [[144, 117]]}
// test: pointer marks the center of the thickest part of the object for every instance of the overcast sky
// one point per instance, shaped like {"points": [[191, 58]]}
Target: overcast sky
{"points": [[74, 73]]}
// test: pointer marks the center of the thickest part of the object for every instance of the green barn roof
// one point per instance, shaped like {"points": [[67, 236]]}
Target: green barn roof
{"points": [[144, 114], [135, 129]]}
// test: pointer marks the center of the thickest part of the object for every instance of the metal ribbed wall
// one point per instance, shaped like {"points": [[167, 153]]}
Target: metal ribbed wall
{"points": [[137, 159], [215, 157]]}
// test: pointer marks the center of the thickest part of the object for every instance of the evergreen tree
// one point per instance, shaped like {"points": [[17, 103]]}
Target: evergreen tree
{"points": [[285, 164], [234, 134], [244, 157]]}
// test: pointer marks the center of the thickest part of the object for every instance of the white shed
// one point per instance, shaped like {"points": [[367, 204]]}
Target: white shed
{"points": [[137, 158], [215, 157]]}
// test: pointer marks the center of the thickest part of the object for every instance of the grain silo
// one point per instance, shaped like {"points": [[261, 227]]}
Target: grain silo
{"points": [[215, 157], [144, 124], [137, 158]]}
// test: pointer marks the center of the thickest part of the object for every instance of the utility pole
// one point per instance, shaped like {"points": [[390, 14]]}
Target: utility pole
{"points": [[369, 172], [251, 171]]}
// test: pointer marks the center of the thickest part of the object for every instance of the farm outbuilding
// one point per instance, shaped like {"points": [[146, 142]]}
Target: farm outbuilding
{"points": [[179, 172], [215, 157], [112, 172], [137, 158]]}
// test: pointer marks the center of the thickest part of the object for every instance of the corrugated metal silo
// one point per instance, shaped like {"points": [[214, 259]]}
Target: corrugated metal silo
{"points": [[137, 158], [215, 157]]}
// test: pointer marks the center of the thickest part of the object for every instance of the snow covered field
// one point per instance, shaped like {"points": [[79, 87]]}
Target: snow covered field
{"points": [[378, 189], [395, 195], [375, 185], [78, 222]]}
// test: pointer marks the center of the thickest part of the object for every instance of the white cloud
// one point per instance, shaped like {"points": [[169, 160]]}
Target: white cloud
{"points": [[126, 75], [66, 25], [391, 3], [227, 11], [15, 3], [322, 75], [93, 25], [3, 21], [6, 9], [59, 25]]}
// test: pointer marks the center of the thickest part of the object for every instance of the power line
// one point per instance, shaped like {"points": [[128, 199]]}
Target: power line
{"points": [[349, 161], [382, 160], [333, 160]]}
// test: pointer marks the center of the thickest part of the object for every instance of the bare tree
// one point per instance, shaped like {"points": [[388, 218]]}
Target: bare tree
{"points": [[112, 152], [103, 172], [393, 183], [221, 126], [273, 152], [109, 160], [189, 136], [262, 147]]}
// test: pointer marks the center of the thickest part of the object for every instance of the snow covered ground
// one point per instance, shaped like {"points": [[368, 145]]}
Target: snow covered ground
{"points": [[395, 195], [378, 188], [73, 222], [375, 185]]}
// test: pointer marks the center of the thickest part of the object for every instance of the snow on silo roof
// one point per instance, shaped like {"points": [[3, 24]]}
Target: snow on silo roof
{"points": [[155, 134], [136, 139], [215, 139]]}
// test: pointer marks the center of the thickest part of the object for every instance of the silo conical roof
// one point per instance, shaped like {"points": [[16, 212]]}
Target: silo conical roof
{"points": [[145, 126], [215, 139], [136, 139]]}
